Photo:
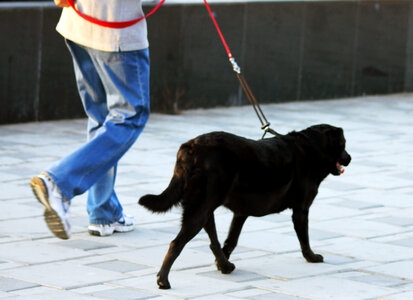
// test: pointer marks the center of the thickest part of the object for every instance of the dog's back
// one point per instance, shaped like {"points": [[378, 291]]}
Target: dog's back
{"points": [[231, 161]]}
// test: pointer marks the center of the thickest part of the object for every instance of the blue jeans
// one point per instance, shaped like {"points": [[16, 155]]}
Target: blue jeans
{"points": [[114, 89]]}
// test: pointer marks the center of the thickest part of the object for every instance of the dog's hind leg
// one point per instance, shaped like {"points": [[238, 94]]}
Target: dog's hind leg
{"points": [[190, 227], [233, 235], [221, 261], [300, 220]]}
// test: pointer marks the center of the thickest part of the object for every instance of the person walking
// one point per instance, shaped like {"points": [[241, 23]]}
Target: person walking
{"points": [[112, 73]]}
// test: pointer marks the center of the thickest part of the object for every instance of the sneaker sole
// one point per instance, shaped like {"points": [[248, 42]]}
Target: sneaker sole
{"points": [[53, 221], [98, 233], [124, 228]]}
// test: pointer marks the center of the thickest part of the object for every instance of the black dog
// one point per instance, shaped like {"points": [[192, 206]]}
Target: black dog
{"points": [[251, 178]]}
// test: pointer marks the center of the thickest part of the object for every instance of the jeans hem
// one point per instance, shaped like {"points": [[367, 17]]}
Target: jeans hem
{"points": [[104, 221]]}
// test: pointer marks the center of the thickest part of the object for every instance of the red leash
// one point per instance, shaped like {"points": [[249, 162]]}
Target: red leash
{"points": [[112, 24], [211, 14]]}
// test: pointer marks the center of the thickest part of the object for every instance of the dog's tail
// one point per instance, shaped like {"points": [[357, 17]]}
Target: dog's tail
{"points": [[166, 200], [173, 194]]}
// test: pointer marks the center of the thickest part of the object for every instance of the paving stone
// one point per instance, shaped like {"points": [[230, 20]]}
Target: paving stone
{"points": [[30, 292], [318, 235], [405, 213], [369, 250], [216, 296], [144, 272], [319, 208], [189, 258], [13, 190], [276, 296], [88, 290], [93, 259], [357, 227], [342, 187], [395, 221], [401, 270], [9, 160], [10, 284], [10, 265], [223, 222], [122, 294], [378, 182], [287, 266], [207, 249], [65, 275], [267, 241], [139, 238], [393, 239], [400, 296], [19, 228], [338, 260], [325, 287], [236, 276], [84, 244], [404, 242], [357, 204], [118, 266], [379, 280], [33, 252], [248, 293], [4, 294], [184, 284], [53, 295], [403, 175]]}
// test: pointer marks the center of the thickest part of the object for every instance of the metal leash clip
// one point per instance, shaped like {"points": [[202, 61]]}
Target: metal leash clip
{"points": [[235, 65], [266, 128]]}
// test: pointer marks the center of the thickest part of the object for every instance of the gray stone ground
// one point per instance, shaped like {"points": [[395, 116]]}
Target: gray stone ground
{"points": [[362, 222]]}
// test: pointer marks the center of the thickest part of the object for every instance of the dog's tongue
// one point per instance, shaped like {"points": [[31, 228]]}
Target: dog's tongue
{"points": [[340, 168]]}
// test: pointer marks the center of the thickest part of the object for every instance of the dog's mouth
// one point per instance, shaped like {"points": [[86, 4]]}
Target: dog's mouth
{"points": [[343, 161], [340, 168]]}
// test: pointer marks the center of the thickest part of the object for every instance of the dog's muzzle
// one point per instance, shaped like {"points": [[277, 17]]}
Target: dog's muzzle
{"points": [[343, 162]]}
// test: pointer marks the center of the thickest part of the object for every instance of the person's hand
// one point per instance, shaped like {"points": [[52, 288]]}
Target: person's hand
{"points": [[62, 3]]}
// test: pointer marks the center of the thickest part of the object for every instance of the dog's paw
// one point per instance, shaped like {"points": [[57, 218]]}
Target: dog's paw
{"points": [[314, 258], [226, 268], [163, 284]]}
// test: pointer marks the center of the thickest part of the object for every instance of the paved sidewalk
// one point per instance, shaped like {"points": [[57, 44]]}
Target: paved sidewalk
{"points": [[362, 222]]}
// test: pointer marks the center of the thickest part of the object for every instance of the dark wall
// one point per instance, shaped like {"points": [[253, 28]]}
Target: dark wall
{"points": [[36, 76], [288, 51]]}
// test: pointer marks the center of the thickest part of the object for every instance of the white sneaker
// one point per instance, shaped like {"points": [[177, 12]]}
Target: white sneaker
{"points": [[56, 206], [125, 224]]}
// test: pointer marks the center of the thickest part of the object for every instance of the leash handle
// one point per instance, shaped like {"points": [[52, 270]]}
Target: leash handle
{"points": [[109, 24]]}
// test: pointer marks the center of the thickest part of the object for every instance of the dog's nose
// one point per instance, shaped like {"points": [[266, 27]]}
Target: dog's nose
{"points": [[346, 158]]}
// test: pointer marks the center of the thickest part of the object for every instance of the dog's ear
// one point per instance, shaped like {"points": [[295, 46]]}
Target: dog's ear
{"points": [[335, 135]]}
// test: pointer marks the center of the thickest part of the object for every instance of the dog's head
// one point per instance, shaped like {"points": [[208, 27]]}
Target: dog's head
{"points": [[334, 145]]}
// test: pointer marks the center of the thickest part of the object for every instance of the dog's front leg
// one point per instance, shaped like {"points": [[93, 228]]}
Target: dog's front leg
{"points": [[233, 235], [221, 260], [300, 220]]}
